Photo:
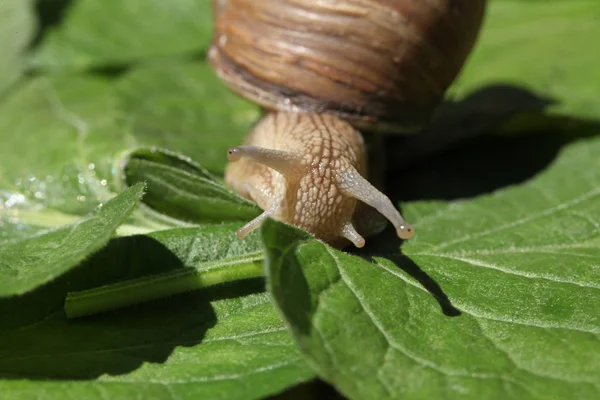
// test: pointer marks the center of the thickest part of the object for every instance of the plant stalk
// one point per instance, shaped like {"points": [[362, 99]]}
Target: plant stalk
{"points": [[158, 286]]}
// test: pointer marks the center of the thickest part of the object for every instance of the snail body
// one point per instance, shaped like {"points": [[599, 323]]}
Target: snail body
{"points": [[307, 169], [322, 69]]}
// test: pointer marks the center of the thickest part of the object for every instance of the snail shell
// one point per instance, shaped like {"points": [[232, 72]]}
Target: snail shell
{"points": [[380, 64]]}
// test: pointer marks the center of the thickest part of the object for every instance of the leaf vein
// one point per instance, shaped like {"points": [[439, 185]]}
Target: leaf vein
{"points": [[561, 207], [528, 275]]}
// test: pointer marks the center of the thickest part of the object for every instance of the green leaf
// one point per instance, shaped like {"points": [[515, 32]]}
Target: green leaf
{"points": [[519, 266], [543, 46], [74, 117], [185, 191], [73, 139], [496, 297], [26, 263], [90, 127], [17, 26], [95, 34], [186, 348], [223, 343], [185, 107]]}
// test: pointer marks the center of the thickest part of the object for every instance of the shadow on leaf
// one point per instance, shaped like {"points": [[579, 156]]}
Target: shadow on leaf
{"points": [[39, 342], [411, 268], [50, 14], [499, 136], [387, 246]]}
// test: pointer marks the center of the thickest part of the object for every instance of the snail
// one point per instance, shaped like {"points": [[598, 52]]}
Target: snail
{"points": [[327, 72]]}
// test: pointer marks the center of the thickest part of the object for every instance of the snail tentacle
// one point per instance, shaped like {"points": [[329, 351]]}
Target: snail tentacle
{"points": [[350, 233], [256, 222], [352, 184], [284, 162]]}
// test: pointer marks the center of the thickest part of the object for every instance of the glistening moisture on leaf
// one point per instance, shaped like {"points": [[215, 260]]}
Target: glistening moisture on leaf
{"points": [[27, 263], [81, 166]]}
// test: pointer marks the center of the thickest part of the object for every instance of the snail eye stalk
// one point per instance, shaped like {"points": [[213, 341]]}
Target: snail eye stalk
{"points": [[352, 184], [286, 163]]}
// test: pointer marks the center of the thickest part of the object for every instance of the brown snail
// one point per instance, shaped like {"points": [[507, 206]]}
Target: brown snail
{"points": [[323, 69]]}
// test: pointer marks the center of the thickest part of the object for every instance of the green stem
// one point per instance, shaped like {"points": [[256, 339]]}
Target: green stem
{"points": [[153, 287]]}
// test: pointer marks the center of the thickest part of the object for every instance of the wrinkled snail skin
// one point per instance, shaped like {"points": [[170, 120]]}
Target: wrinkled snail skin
{"points": [[308, 170], [321, 69]]}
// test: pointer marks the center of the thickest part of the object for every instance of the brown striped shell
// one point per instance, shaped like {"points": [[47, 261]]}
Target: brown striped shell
{"points": [[380, 64]]}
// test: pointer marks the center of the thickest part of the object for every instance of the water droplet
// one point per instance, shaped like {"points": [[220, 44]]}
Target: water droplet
{"points": [[81, 198], [103, 182], [91, 166], [14, 199], [38, 195], [80, 178]]}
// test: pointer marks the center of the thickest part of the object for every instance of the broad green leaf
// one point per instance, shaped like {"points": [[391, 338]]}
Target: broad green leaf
{"points": [[222, 343], [17, 25], [187, 347], [116, 32], [544, 46], [495, 297], [26, 263]]}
